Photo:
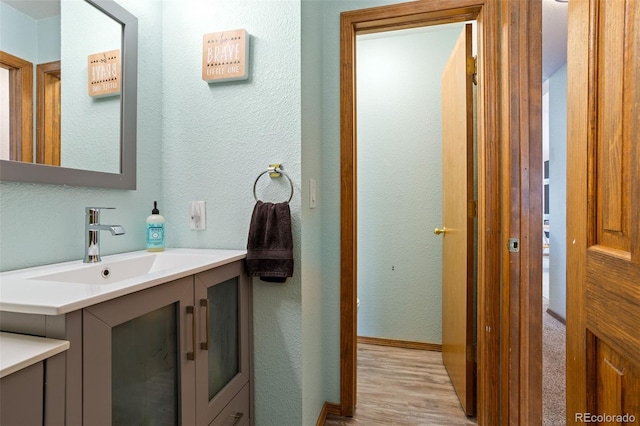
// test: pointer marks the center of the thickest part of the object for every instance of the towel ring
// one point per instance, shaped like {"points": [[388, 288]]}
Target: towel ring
{"points": [[273, 170]]}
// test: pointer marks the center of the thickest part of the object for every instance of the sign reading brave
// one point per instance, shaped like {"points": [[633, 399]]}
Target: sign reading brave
{"points": [[104, 73], [225, 56]]}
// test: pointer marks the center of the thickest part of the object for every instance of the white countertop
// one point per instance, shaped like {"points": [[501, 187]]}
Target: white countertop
{"points": [[25, 291], [18, 351]]}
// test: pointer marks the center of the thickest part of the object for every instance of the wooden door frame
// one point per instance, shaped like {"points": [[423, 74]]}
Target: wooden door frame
{"points": [[46, 132], [509, 197], [21, 105]]}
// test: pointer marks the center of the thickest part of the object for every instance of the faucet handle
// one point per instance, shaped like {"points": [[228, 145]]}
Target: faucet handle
{"points": [[88, 209], [92, 214]]}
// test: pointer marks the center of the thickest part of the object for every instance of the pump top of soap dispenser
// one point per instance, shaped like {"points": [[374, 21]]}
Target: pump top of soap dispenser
{"points": [[155, 208]]}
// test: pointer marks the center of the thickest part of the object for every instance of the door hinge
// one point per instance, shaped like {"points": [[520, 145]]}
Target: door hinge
{"points": [[514, 245], [472, 68], [472, 208]]}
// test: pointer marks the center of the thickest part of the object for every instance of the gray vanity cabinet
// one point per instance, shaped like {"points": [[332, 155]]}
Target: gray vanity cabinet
{"points": [[22, 396], [135, 368], [178, 353], [223, 364]]}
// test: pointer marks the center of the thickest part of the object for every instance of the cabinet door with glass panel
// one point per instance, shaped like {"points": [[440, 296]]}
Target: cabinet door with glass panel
{"points": [[175, 354], [138, 358], [223, 366]]}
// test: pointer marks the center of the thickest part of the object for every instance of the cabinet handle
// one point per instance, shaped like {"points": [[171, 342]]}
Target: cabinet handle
{"points": [[191, 356], [205, 303], [237, 416]]}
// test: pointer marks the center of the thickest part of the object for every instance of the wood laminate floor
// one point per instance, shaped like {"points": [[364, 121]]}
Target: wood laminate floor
{"points": [[398, 386]]}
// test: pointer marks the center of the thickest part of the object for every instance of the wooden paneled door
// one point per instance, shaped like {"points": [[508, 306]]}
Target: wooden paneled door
{"points": [[457, 232], [603, 229]]}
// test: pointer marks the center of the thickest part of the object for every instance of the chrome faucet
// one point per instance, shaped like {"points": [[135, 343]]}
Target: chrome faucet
{"points": [[92, 233]]}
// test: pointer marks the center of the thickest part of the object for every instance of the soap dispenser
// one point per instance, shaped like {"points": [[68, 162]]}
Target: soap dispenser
{"points": [[155, 230]]}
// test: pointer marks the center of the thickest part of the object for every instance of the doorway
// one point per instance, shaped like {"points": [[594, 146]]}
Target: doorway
{"points": [[400, 196], [554, 119], [400, 181], [509, 187]]}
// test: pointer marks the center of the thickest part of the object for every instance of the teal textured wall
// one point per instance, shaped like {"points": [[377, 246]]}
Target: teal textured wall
{"points": [[217, 139], [400, 182]]}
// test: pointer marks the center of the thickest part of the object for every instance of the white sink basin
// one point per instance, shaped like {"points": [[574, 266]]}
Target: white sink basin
{"points": [[64, 287], [114, 270]]}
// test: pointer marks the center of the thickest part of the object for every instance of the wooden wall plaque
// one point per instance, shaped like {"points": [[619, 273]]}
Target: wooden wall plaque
{"points": [[104, 73], [225, 56]]}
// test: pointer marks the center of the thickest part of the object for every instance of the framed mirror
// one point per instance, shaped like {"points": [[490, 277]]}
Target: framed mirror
{"points": [[95, 129]]}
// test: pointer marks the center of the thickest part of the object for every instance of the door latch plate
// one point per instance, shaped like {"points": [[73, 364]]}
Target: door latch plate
{"points": [[514, 245]]}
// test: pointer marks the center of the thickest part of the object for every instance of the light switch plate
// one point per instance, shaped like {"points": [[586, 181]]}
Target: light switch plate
{"points": [[312, 194], [198, 215]]}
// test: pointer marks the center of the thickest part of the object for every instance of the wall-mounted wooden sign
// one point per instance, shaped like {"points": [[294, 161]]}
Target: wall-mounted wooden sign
{"points": [[225, 56], [104, 73]]}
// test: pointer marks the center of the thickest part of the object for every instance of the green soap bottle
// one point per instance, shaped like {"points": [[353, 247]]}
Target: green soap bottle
{"points": [[155, 230]]}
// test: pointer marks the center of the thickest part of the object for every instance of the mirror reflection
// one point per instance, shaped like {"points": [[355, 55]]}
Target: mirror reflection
{"points": [[55, 116]]}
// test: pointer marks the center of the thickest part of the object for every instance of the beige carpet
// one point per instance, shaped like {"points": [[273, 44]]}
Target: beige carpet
{"points": [[553, 369]]}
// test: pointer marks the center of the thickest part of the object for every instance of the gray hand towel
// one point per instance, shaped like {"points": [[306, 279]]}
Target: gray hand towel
{"points": [[270, 242]]}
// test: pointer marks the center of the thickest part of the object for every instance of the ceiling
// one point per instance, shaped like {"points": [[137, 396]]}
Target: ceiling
{"points": [[37, 9], [554, 28], [554, 36]]}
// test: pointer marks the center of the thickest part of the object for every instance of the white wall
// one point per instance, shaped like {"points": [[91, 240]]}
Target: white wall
{"points": [[400, 182], [558, 191]]}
